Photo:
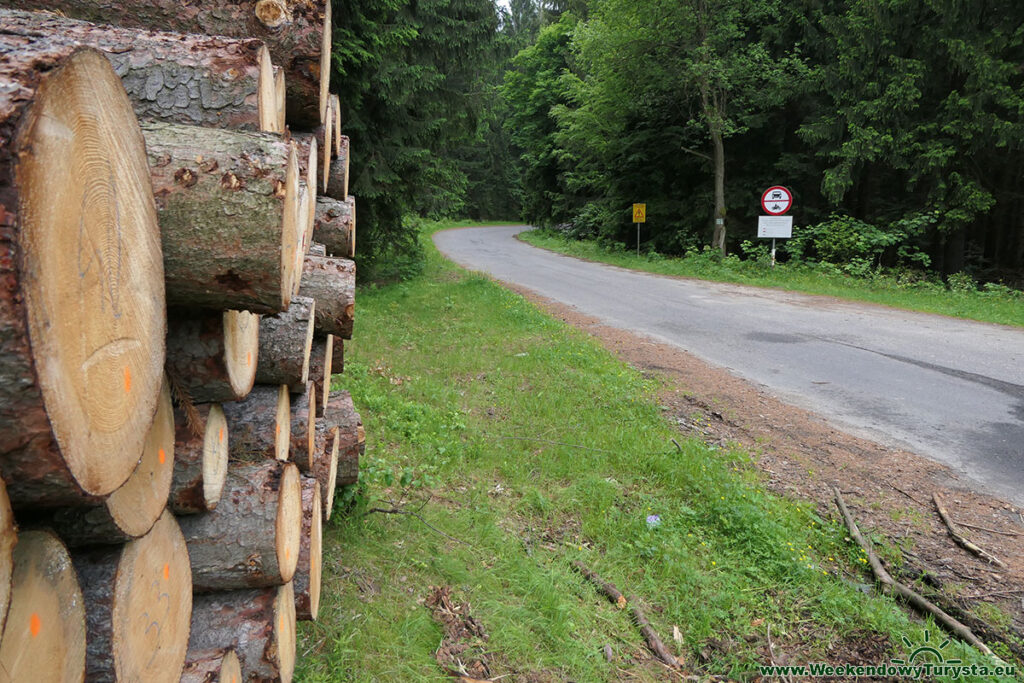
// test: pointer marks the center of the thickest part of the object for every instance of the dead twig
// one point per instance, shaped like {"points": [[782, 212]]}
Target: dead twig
{"points": [[991, 531], [400, 511], [891, 586], [771, 652], [960, 540], [654, 643], [993, 594], [894, 487]]}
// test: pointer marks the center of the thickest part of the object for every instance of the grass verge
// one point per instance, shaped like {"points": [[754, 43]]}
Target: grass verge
{"points": [[522, 445], [995, 304]]}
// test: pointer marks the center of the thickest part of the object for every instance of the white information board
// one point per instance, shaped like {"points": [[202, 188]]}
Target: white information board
{"points": [[775, 226]]}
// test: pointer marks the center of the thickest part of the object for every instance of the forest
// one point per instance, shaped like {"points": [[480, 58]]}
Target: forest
{"points": [[897, 124]]}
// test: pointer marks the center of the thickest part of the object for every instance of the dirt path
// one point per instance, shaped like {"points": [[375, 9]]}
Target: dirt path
{"points": [[889, 491]]}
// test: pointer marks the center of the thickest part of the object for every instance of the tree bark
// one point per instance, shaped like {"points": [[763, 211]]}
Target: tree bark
{"points": [[338, 357], [297, 33], [138, 605], [337, 178], [325, 464], [303, 428], [199, 80], [218, 665], [44, 636], [332, 282], [252, 539], [321, 357], [81, 278], [258, 624], [211, 355], [335, 226], [228, 206], [315, 151], [260, 426], [713, 117], [341, 413], [285, 343], [307, 573], [133, 509], [200, 459]]}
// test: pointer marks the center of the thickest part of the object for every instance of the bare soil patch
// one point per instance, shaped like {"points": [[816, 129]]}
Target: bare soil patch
{"points": [[888, 490]]}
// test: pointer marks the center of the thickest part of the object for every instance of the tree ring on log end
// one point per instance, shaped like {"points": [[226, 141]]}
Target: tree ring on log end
{"points": [[269, 108], [283, 423], [241, 349], [280, 90], [44, 637], [325, 61], [284, 630], [332, 473], [215, 456], [315, 554], [152, 605], [290, 228], [92, 271], [288, 525], [137, 505]]}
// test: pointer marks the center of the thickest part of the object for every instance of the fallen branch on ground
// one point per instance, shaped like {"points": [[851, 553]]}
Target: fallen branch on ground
{"points": [[615, 596], [960, 540], [891, 586], [410, 513]]}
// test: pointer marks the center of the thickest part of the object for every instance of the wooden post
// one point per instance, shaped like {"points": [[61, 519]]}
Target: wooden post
{"points": [[81, 277]]}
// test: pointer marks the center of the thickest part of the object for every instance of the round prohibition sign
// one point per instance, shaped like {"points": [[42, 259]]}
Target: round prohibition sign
{"points": [[777, 200]]}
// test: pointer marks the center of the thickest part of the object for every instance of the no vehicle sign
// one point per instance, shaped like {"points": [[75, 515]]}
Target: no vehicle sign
{"points": [[776, 200]]}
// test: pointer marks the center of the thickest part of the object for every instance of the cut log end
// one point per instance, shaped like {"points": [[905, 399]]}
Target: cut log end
{"points": [[281, 92], [241, 349], [329, 483], [327, 153], [152, 605], [336, 111], [289, 521], [137, 505], [284, 631], [325, 61], [282, 423], [308, 574], [215, 456], [218, 665], [44, 637], [291, 266], [8, 538], [95, 305], [269, 107]]}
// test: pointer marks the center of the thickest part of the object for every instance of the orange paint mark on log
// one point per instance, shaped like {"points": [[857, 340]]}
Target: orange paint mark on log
{"points": [[163, 456], [127, 379], [248, 359], [167, 572], [220, 435], [277, 429], [34, 624]]}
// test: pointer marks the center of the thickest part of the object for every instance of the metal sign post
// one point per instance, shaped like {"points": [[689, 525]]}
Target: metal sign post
{"points": [[639, 216], [775, 201]]}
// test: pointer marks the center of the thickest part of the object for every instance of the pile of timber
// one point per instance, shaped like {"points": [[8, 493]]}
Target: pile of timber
{"points": [[175, 289]]}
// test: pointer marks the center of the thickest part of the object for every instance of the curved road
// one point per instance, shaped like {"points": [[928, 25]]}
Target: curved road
{"points": [[944, 388]]}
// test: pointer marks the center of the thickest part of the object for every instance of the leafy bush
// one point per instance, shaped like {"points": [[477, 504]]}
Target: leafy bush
{"points": [[857, 247]]}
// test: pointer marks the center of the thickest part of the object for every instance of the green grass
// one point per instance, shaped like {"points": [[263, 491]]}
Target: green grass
{"points": [[463, 387], [906, 291]]}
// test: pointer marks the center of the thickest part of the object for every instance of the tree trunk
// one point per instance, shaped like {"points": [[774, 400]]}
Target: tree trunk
{"points": [[298, 34], [308, 152], [200, 459], [228, 206], [258, 624], [252, 538], [285, 342], [335, 226], [332, 282], [303, 428], [212, 356], [138, 605], [133, 509], [334, 102], [81, 278], [307, 573], [8, 539], [321, 357], [315, 152], [218, 665], [325, 464], [200, 80], [260, 426], [337, 178], [351, 439], [44, 637]]}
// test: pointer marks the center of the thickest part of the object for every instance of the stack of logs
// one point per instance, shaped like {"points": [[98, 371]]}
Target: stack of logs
{"points": [[175, 289]]}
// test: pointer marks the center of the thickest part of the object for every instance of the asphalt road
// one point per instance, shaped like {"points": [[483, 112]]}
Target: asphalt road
{"points": [[944, 388]]}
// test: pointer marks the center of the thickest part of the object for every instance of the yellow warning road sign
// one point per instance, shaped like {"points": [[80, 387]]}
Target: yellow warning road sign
{"points": [[639, 213]]}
